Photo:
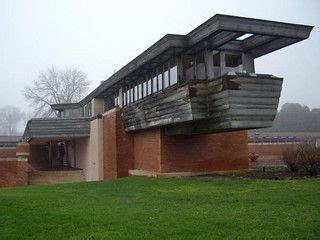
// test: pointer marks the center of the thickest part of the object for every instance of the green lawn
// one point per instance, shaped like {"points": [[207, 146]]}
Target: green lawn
{"points": [[155, 208]]}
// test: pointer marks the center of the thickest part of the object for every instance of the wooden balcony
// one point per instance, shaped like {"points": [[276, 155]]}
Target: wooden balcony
{"points": [[231, 102]]}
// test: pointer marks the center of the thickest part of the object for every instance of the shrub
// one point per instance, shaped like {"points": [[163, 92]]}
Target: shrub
{"points": [[305, 158], [290, 159], [253, 157]]}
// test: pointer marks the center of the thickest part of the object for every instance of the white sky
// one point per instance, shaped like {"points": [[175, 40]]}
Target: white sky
{"points": [[99, 37]]}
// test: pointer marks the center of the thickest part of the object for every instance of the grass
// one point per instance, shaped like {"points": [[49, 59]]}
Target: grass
{"points": [[153, 208]]}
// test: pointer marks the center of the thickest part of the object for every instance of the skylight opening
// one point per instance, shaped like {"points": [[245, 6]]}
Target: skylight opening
{"points": [[244, 36]]}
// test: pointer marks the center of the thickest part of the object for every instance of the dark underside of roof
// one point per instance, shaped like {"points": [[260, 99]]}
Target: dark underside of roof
{"points": [[9, 141], [218, 33], [57, 127], [8, 144]]}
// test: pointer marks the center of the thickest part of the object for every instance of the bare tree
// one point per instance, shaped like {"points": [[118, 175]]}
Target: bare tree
{"points": [[10, 118], [56, 86]]}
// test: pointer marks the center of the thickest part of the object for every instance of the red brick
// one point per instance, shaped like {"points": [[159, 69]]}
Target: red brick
{"points": [[147, 150], [152, 150], [201, 153], [13, 173], [117, 146], [7, 152]]}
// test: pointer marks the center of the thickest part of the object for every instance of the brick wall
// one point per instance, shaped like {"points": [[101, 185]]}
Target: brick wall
{"points": [[270, 153], [117, 146], [7, 152], [201, 153], [152, 150], [147, 150], [13, 172], [125, 148]]}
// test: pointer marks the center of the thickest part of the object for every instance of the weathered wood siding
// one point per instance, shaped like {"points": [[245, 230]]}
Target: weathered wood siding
{"points": [[170, 106], [229, 103]]}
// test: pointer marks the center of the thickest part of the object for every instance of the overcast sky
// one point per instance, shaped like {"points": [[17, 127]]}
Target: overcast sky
{"points": [[100, 37]]}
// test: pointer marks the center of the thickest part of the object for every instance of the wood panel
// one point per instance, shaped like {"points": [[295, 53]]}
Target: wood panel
{"points": [[228, 103]]}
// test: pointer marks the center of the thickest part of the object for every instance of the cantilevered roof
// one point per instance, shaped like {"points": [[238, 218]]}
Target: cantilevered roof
{"points": [[221, 32], [57, 127], [62, 106], [9, 141]]}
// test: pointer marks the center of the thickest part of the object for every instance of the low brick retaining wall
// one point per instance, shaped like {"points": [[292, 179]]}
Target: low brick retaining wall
{"points": [[13, 172], [14, 165], [270, 153]]}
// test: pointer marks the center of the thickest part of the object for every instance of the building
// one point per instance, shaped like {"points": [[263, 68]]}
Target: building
{"points": [[269, 147], [13, 168], [183, 106]]}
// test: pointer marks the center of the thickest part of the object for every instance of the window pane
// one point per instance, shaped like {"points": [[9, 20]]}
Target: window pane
{"points": [[144, 89], [135, 93], [233, 60], [124, 97], [216, 60], [131, 95], [188, 68], [216, 65], [173, 72], [139, 91], [165, 76], [160, 80], [233, 63], [154, 82], [149, 87], [127, 97]]}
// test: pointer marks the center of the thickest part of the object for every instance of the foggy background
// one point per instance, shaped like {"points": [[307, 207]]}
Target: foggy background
{"points": [[99, 37]]}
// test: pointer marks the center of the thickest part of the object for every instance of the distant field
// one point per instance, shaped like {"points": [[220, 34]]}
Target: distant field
{"points": [[154, 208]]}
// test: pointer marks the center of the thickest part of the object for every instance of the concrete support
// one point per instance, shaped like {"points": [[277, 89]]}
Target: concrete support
{"points": [[248, 63], [97, 106], [120, 94], [94, 169]]}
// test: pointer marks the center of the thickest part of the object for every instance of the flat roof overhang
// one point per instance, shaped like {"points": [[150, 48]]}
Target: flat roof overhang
{"points": [[57, 128], [218, 33], [62, 106]]}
